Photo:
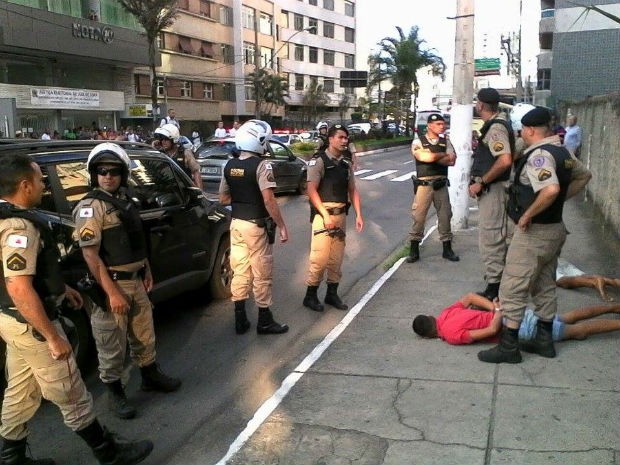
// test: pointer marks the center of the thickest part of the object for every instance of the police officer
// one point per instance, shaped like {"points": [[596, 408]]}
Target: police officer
{"points": [[109, 230], [331, 186], [322, 127], [167, 140], [490, 171], [39, 360], [433, 153], [545, 177], [248, 185]]}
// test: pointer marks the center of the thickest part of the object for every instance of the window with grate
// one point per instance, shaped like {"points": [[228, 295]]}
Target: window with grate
{"points": [[226, 15], [544, 79], [248, 53], [228, 54], [208, 91], [349, 34], [299, 82], [299, 52], [329, 57], [328, 29], [313, 54], [328, 85], [186, 89]]}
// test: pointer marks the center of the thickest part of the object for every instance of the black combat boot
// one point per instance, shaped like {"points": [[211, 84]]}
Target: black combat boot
{"points": [[311, 300], [241, 319], [542, 344], [491, 292], [448, 253], [414, 252], [14, 453], [332, 298], [119, 405], [109, 450], [154, 380], [507, 351], [267, 325]]}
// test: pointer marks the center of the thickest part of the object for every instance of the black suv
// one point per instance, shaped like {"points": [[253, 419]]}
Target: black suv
{"points": [[187, 234]]}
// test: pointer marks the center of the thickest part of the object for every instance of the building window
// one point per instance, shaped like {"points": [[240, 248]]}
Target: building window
{"points": [[186, 89], [349, 8], [314, 80], [328, 85], [205, 8], [185, 45], [161, 88], [208, 91], [313, 2], [313, 23], [249, 91], [228, 92], [544, 79], [328, 30], [266, 57], [247, 17], [226, 15], [299, 52], [284, 19], [329, 57], [207, 50], [349, 61], [313, 54], [349, 34], [228, 54], [299, 82], [183, 4], [298, 22], [248, 53], [328, 5], [265, 24], [349, 91], [161, 41]]}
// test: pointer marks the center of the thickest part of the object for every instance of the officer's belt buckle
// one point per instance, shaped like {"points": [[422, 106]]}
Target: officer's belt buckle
{"points": [[336, 210]]}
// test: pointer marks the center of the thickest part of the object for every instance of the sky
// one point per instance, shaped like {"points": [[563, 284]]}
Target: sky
{"points": [[377, 19]]}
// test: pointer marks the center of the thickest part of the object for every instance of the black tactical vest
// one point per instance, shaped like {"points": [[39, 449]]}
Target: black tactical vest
{"points": [[483, 158], [432, 169], [334, 187], [126, 242], [47, 282], [179, 158], [246, 198], [521, 196]]}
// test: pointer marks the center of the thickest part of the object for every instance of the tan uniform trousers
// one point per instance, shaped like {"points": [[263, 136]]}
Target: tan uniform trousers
{"points": [[326, 252], [32, 373], [496, 229], [530, 270], [251, 259], [419, 210], [111, 332]]}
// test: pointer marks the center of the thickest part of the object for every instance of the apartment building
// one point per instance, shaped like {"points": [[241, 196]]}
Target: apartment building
{"points": [[65, 64], [579, 51]]}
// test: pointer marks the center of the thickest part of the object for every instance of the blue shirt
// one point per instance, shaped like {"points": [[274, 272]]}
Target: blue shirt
{"points": [[572, 138]]}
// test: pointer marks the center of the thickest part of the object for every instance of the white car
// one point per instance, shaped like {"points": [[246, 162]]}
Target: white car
{"points": [[287, 139]]}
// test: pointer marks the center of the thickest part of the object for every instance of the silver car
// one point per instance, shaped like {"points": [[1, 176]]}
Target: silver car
{"points": [[289, 170]]}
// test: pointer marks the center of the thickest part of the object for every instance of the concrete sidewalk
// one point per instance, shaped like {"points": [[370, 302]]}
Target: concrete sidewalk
{"points": [[381, 395]]}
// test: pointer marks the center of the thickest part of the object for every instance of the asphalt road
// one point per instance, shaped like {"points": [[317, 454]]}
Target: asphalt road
{"points": [[226, 377]]}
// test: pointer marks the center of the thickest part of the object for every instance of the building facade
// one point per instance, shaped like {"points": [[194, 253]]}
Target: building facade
{"points": [[579, 51]]}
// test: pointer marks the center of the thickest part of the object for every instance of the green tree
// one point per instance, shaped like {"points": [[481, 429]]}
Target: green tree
{"points": [[272, 89], [314, 100], [399, 59], [343, 105], [154, 16]]}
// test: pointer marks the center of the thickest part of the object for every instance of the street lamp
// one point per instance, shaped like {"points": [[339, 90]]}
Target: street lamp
{"points": [[258, 71]]}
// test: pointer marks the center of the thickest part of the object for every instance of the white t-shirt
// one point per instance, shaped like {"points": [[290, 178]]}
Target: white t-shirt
{"points": [[220, 132], [168, 120], [46, 136]]}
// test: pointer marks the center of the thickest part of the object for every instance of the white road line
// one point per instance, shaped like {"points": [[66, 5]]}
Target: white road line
{"points": [[407, 162], [379, 175], [358, 172], [404, 177], [272, 403]]}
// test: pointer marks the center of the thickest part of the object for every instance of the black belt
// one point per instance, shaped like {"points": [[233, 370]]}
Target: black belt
{"points": [[260, 222], [126, 275], [336, 210], [14, 313]]}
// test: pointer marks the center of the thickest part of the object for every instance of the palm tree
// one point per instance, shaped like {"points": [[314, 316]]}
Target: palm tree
{"points": [[399, 59], [314, 99], [275, 90], [343, 105], [154, 16]]}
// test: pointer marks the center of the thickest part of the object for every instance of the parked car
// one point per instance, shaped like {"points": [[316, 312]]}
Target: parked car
{"points": [[289, 170], [287, 139], [187, 234], [358, 128]]}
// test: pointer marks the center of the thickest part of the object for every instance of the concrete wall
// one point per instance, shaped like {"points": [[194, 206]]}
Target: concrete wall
{"points": [[600, 119]]}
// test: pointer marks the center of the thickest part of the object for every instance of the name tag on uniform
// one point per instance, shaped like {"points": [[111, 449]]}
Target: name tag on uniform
{"points": [[17, 241], [86, 212]]}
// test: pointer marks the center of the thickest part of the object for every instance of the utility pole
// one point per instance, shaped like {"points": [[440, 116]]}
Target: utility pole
{"points": [[513, 57], [462, 113], [257, 68]]}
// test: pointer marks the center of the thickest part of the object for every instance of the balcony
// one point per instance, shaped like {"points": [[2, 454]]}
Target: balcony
{"points": [[545, 59]]}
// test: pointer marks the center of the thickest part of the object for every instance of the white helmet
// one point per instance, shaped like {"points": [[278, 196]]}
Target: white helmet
{"points": [[322, 125], [107, 152], [518, 112], [253, 136], [169, 131]]}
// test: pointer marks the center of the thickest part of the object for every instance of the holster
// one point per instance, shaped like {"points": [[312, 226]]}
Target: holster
{"points": [[270, 227], [513, 207], [439, 183], [91, 288]]}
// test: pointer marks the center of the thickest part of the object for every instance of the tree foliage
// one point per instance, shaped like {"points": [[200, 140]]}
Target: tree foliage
{"points": [[314, 99]]}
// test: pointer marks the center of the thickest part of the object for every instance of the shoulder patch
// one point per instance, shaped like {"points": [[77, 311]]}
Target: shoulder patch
{"points": [[538, 162], [87, 234], [268, 165], [17, 241], [544, 175], [312, 162], [498, 146], [86, 212], [569, 163], [16, 262]]}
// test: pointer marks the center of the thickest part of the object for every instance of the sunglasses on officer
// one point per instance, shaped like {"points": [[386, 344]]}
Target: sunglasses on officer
{"points": [[161, 137], [101, 171]]}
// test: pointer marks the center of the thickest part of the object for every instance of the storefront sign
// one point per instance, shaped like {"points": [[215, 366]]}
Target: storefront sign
{"points": [[139, 110], [64, 98], [103, 34]]}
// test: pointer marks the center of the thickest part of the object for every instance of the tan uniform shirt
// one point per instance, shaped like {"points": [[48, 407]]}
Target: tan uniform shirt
{"points": [[264, 175], [91, 217], [497, 138], [540, 169], [316, 169], [20, 244]]}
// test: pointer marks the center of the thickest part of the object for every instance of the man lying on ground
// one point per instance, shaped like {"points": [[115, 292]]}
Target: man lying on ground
{"points": [[597, 282], [459, 324]]}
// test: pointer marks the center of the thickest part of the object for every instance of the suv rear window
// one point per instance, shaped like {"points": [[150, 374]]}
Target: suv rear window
{"points": [[216, 149]]}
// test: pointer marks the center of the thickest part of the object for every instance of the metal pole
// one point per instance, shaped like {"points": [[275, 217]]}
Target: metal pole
{"points": [[257, 68], [461, 113]]}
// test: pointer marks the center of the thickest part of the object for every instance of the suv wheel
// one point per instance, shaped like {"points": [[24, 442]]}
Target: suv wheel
{"points": [[219, 282]]}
